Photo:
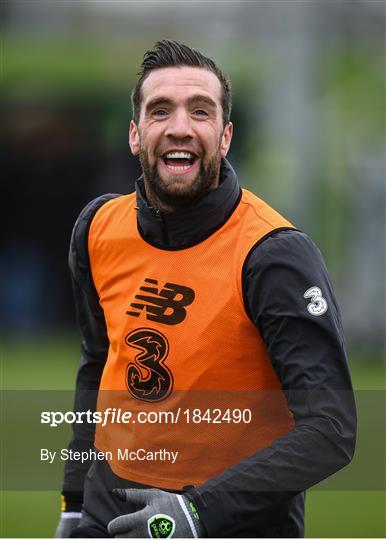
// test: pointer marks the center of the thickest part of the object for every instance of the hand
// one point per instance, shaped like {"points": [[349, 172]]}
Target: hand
{"points": [[161, 515], [68, 522]]}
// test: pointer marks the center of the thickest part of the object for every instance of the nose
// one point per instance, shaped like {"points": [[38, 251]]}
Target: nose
{"points": [[179, 124]]}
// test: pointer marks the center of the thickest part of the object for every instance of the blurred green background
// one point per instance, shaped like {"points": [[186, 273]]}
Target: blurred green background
{"points": [[309, 114]]}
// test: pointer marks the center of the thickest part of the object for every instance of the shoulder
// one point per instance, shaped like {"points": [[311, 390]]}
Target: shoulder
{"points": [[78, 256], [260, 216], [279, 270], [289, 247], [82, 224]]}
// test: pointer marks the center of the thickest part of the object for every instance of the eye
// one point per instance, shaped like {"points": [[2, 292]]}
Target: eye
{"points": [[200, 112], [159, 112]]}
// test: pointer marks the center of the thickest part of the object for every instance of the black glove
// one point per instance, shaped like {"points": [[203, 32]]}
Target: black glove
{"points": [[161, 515]]}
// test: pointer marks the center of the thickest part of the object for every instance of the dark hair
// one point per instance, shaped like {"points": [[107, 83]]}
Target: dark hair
{"points": [[168, 53]]}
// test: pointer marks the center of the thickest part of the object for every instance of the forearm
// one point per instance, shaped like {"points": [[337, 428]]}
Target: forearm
{"points": [[255, 488], [83, 434]]}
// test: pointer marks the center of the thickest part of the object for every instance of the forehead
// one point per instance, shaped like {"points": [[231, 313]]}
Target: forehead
{"points": [[181, 82]]}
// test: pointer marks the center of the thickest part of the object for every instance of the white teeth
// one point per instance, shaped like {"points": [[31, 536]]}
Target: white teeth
{"points": [[179, 155], [179, 167]]}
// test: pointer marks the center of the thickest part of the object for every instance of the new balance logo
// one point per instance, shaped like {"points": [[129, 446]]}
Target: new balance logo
{"points": [[166, 306]]}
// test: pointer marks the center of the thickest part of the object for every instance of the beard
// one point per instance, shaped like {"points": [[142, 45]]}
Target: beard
{"points": [[175, 194]]}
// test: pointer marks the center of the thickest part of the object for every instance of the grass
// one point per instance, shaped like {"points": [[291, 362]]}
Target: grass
{"points": [[51, 364]]}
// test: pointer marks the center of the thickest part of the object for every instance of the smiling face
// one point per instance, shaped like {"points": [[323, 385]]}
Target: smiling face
{"points": [[180, 137]]}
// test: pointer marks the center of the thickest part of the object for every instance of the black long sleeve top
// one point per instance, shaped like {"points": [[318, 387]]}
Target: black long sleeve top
{"points": [[264, 494]]}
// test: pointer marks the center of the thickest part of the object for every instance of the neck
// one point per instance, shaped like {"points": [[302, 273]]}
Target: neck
{"points": [[155, 202]]}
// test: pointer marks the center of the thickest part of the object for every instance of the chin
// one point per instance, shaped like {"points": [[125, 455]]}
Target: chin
{"points": [[179, 184]]}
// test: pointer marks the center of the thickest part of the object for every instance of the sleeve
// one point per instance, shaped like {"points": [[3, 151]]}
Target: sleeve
{"points": [[289, 297], [94, 350]]}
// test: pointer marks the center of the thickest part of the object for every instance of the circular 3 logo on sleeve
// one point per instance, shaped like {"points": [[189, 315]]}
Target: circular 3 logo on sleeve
{"points": [[318, 304]]}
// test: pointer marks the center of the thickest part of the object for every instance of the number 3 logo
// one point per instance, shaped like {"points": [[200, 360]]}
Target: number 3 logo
{"points": [[318, 304]]}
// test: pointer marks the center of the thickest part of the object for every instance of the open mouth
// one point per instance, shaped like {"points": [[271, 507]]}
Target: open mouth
{"points": [[179, 161]]}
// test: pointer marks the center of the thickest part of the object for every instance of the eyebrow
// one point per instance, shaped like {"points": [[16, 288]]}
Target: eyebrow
{"points": [[156, 102], [202, 99]]}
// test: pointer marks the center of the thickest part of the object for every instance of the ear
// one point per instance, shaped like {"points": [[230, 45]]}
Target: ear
{"points": [[134, 138], [226, 139]]}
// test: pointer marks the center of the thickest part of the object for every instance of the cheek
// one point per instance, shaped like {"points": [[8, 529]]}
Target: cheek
{"points": [[211, 138], [151, 140]]}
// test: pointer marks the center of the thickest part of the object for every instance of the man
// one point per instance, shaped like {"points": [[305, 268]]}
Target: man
{"points": [[194, 295]]}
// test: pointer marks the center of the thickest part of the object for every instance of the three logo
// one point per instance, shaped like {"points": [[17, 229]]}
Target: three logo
{"points": [[147, 377], [318, 304]]}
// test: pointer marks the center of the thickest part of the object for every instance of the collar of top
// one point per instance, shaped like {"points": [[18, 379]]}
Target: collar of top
{"points": [[189, 226]]}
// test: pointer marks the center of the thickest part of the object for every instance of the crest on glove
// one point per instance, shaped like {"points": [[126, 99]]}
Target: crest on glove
{"points": [[161, 526]]}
